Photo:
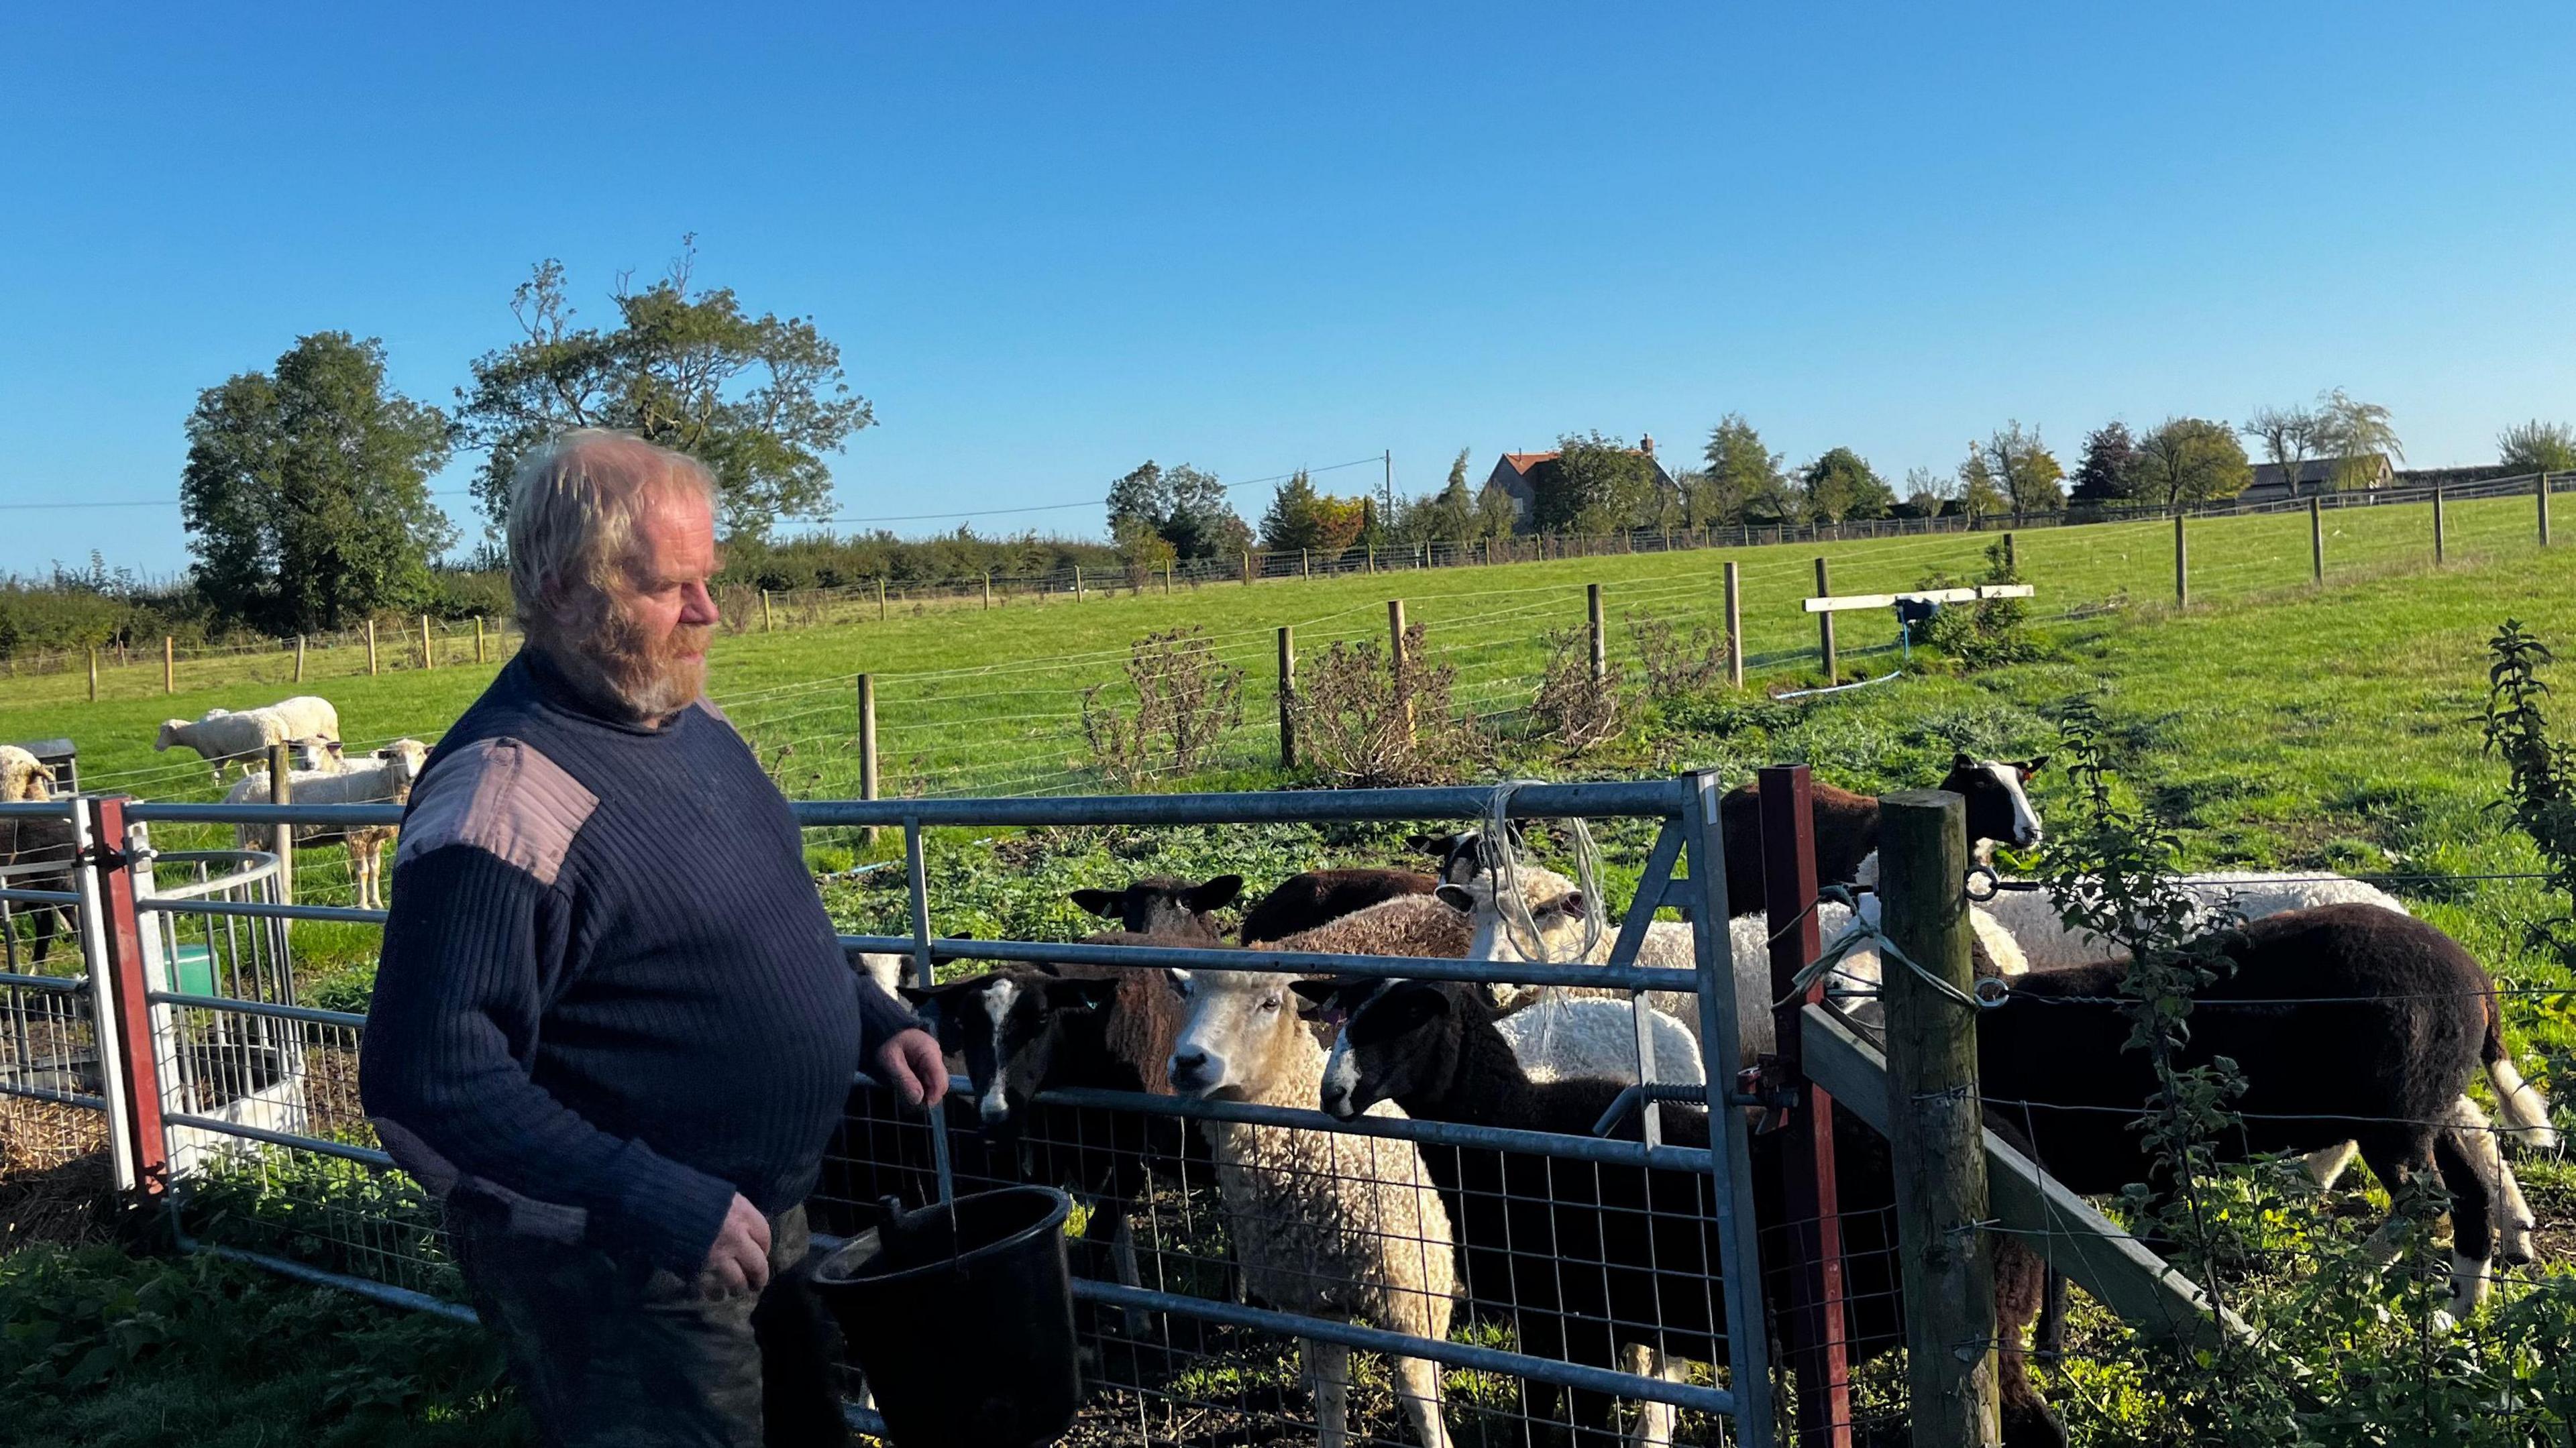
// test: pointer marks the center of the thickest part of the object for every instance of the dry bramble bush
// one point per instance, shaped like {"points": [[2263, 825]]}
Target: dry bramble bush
{"points": [[1361, 723], [1186, 698]]}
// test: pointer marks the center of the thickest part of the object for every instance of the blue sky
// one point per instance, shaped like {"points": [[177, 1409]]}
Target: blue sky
{"points": [[1055, 241]]}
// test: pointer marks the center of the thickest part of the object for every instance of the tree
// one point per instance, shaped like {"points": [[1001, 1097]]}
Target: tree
{"points": [[1924, 491], [1301, 518], [2191, 460], [1744, 481], [2109, 455], [1980, 496], [306, 491], [2022, 468], [1498, 513], [2538, 447], [759, 400], [1183, 506], [2289, 436], [1841, 484], [2356, 434], [1448, 516], [1596, 485]]}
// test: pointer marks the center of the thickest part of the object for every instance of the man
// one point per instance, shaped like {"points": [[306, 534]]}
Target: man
{"points": [[613, 1027]]}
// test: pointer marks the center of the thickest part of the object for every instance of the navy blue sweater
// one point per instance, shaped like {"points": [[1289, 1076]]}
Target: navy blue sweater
{"points": [[610, 997]]}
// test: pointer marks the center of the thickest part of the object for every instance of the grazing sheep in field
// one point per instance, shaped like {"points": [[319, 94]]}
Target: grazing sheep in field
{"points": [[23, 776], [223, 737], [2382, 1032], [1162, 905], [307, 716], [1321, 1223], [1319, 897], [384, 778], [1846, 824]]}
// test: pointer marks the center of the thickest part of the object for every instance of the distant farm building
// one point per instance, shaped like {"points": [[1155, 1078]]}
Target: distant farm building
{"points": [[2272, 482], [1522, 475]]}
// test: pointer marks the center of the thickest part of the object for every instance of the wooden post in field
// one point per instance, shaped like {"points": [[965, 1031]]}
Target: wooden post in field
{"points": [[478, 638], [1305, 565], [1247, 568], [1825, 630], [2437, 524], [2182, 566], [1167, 580], [1396, 662], [2316, 540], [881, 602], [1372, 558], [169, 665], [2541, 491], [281, 790], [2012, 559], [93, 670], [371, 646], [868, 745], [428, 654], [1937, 1126], [988, 590], [1734, 625], [768, 621], [1287, 697], [1600, 634]]}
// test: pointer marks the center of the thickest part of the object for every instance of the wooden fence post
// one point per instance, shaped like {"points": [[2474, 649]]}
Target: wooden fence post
{"points": [[881, 599], [1167, 580], [281, 790], [1287, 697], [1305, 564], [1396, 662], [1937, 1125], [2316, 540], [868, 745], [2437, 524], [428, 653], [2182, 566], [1372, 558], [769, 621], [371, 646], [93, 674], [1812, 1204], [988, 590], [478, 638], [169, 665], [1734, 625], [2012, 559], [1600, 635], [2541, 491], [1247, 568], [1825, 629]]}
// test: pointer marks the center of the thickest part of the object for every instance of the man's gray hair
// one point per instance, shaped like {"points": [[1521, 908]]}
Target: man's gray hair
{"points": [[574, 504]]}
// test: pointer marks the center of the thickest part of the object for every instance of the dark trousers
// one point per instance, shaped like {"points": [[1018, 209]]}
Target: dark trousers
{"points": [[607, 1351]]}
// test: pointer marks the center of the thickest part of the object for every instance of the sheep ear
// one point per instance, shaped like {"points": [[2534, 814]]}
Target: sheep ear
{"points": [[1106, 903], [1435, 845], [1962, 760], [2029, 767], [1455, 898], [1315, 992], [1216, 894], [1080, 995]]}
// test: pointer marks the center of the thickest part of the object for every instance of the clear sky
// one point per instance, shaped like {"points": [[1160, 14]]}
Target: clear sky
{"points": [[1054, 241]]}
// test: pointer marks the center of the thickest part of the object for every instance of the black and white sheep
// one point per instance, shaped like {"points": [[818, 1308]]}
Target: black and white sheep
{"points": [[1846, 824], [1163, 905]]}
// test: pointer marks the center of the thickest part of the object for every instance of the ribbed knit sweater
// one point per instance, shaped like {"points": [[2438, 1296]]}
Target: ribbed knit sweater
{"points": [[609, 997]]}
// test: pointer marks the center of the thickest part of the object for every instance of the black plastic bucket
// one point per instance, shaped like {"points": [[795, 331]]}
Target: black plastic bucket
{"points": [[962, 1318]]}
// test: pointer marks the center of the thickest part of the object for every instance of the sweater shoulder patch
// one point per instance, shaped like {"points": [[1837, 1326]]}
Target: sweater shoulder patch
{"points": [[505, 798]]}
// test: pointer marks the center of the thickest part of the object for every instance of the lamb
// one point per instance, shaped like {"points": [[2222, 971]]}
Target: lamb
{"points": [[1318, 897], [1417, 925], [26, 845], [223, 737], [1162, 905], [2385, 1032], [1846, 824], [1321, 1223], [1562, 1035], [23, 776], [384, 778]]}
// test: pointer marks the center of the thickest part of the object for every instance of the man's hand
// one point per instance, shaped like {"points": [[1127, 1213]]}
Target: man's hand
{"points": [[739, 1261], [911, 1063]]}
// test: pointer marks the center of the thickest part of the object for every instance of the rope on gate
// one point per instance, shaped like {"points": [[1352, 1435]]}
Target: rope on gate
{"points": [[1514, 910]]}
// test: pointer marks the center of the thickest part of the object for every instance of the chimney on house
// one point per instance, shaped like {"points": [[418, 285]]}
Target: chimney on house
{"points": [[1646, 444]]}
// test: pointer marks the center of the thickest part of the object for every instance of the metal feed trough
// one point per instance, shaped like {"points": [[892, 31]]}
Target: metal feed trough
{"points": [[238, 1072]]}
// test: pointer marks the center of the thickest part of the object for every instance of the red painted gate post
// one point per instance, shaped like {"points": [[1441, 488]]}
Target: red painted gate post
{"points": [[122, 933], [1818, 1350]]}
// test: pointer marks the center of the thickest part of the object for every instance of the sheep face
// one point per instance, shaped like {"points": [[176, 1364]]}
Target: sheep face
{"points": [[1999, 807], [173, 731], [1465, 857], [1161, 905], [403, 761], [1239, 1032], [1553, 933], [1396, 1039], [1005, 1027], [318, 754]]}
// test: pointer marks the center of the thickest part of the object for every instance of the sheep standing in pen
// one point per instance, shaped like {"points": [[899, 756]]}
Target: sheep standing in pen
{"points": [[23, 776], [383, 778], [1321, 1223], [1846, 824], [1162, 905], [1318, 897], [36, 854], [223, 737]]}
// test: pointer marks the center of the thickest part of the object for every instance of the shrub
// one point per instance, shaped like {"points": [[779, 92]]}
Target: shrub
{"points": [[1574, 707], [1185, 701], [1360, 723], [1989, 632], [1677, 664]]}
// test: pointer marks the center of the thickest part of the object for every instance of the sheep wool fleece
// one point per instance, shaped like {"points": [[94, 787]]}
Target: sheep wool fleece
{"points": [[610, 997]]}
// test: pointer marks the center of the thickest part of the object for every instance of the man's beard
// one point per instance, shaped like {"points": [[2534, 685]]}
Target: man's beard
{"points": [[647, 680]]}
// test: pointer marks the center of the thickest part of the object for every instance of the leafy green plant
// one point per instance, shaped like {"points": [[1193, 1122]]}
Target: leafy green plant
{"points": [[1989, 632]]}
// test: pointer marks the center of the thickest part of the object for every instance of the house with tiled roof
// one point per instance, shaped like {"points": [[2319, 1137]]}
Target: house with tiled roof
{"points": [[1522, 474]]}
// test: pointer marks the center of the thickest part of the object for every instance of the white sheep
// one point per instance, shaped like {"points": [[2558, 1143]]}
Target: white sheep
{"points": [[383, 778], [1321, 1223], [223, 737], [1560, 1036], [23, 776], [307, 716]]}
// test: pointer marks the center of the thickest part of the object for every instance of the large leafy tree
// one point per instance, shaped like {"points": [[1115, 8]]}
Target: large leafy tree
{"points": [[1301, 517], [1841, 484], [1596, 485], [2110, 458], [1183, 506], [2023, 469], [1744, 481], [2538, 447], [2191, 460], [1981, 494], [2288, 436], [1447, 516], [306, 490], [2356, 434], [760, 400]]}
